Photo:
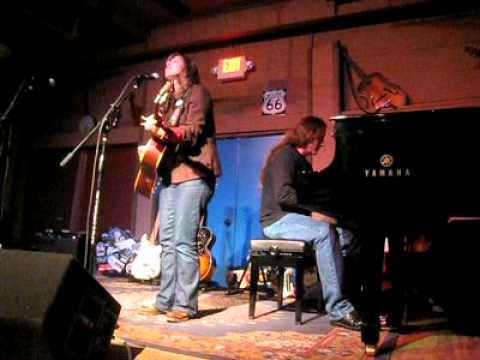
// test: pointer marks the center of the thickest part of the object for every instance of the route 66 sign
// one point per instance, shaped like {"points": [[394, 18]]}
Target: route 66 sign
{"points": [[274, 102]]}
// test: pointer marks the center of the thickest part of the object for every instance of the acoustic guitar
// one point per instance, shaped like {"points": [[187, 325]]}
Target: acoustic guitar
{"points": [[151, 156], [147, 263], [374, 92], [154, 153], [205, 241]]}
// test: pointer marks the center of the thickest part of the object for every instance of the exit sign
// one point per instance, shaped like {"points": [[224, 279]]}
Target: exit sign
{"points": [[232, 68]]}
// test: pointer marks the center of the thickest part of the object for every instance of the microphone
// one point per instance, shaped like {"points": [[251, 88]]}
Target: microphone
{"points": [[151, 76]]}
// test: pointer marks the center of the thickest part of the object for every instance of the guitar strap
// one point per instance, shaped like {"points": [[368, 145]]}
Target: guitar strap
{"points": [[178, 107], [351, 83]]}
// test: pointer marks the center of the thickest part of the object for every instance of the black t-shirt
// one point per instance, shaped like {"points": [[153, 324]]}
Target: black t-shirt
{"points": [[282, 180], [291, 186]]}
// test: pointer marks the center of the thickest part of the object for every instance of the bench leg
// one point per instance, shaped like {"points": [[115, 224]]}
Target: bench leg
{"points": [[253, 288], [281, 273], [299, 292]]}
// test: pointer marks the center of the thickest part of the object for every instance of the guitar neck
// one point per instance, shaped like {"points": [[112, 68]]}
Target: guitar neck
{"points": [[154, 233]]}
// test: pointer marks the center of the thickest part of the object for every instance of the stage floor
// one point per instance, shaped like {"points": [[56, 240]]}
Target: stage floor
{"points": [[224, 331]]}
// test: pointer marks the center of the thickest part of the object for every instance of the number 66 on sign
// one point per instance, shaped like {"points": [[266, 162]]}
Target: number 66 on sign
{"points": [[274, 102]]}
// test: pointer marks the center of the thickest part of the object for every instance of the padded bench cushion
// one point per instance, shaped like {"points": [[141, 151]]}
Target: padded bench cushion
{"points": [[278, 246]]}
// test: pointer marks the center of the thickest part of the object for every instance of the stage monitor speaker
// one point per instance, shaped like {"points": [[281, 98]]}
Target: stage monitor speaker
{"points": [[52, 308]]}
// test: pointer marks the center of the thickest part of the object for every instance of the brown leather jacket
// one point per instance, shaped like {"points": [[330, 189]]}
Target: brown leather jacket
{"points": [[196, 154]]}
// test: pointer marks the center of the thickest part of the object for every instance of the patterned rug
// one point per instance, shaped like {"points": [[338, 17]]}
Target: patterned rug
{"points": [[224, 331]]}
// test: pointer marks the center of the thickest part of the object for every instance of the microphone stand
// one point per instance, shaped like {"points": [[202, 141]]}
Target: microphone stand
{"points": [[110, 120], [5, 144]]}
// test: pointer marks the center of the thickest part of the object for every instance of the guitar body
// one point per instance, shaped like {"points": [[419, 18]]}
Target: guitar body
{"points": [[206, 265], [147, 263], [205, 240], [151, 155], [378, 93]]}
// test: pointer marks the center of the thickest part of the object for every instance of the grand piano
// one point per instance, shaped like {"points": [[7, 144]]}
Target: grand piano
{"points": [[406, 172]]}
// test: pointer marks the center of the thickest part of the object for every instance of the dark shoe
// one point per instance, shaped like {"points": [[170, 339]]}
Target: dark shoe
{"points": [[350, 321], [151, 310], [177, 316]]}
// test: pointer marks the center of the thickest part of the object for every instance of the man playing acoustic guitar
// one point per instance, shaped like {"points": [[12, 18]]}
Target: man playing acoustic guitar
{"points": [[182, 123]]}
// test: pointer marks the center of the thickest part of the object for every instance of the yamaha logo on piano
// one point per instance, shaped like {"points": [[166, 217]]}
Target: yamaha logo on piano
{"points": [[386, 169]]}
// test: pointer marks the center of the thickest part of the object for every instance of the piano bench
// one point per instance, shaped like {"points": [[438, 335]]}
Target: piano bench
{"points": [[280, 254]]}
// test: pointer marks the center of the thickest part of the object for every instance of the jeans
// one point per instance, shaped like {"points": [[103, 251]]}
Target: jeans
{"points": [[327, 252], [181, 207], [349, 245]]}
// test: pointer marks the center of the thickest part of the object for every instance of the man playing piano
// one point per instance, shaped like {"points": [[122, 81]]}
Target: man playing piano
{"points": [[284, 216]]}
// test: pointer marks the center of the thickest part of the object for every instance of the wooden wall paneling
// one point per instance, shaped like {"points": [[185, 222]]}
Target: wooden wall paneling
{"points": [[117, 195], [237, 104], [425, 58], [119, 177], [106, 91], [326, 95]]}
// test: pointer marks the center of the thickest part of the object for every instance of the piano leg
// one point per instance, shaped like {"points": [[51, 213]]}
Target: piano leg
{"points": [[396, 317], [372, 265]]}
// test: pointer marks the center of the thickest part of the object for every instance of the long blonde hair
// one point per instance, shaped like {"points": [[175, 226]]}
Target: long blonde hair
{"points": [[308, 129]]}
